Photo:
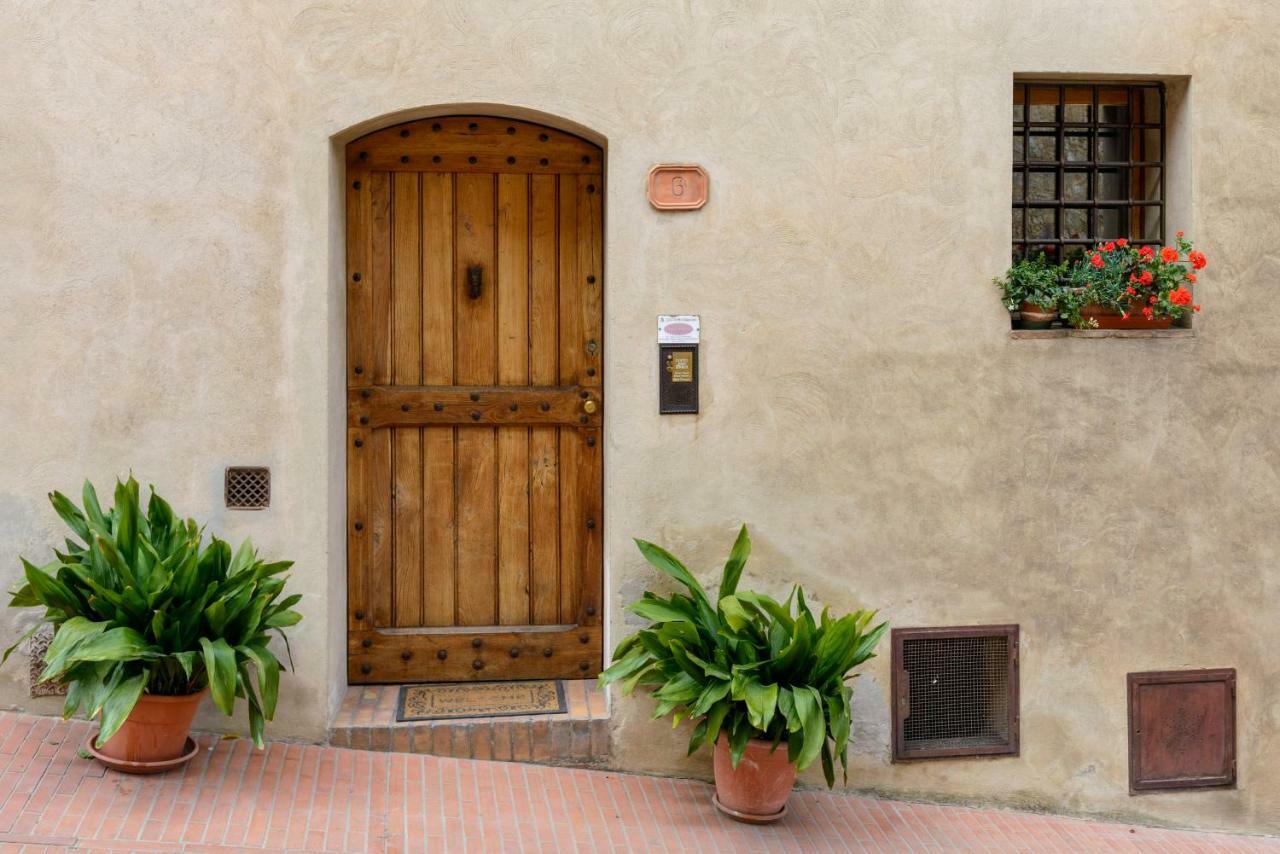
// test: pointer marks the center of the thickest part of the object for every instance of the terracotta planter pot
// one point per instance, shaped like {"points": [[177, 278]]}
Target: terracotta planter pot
{"points": [[1035, 317], [1108, 318], [756, 791], [155, 732]]}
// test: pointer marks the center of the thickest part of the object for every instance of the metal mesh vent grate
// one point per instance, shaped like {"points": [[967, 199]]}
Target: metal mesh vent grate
{"points": [[956, 691], [248, 488]]}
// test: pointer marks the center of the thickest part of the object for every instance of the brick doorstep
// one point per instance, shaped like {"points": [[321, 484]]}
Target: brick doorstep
{"points": [[580, 737]]}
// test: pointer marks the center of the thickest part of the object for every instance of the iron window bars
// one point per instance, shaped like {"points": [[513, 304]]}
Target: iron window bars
{"points": [[1088, 165]]}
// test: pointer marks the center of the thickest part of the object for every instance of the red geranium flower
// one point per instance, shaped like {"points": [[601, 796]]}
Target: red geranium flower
{"points": [[1130, 291], [1197, 260], [1148, 312], [1122, 243], [1146, 253], [1110, 247], [1191, 277], [1179, 233], [1152, 300], [1096, 260], [1196, 307], [1180, 296], [1168, 254], [1146, 277]]}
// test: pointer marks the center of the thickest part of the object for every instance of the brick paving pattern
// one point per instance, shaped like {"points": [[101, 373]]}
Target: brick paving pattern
{"points": [[305, 798]]}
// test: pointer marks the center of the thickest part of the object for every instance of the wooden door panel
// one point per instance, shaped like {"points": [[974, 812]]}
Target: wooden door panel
{"points": [[513, 370], [544, 370], [475, 364], [377, 526], [475, 472], [406, 369]]}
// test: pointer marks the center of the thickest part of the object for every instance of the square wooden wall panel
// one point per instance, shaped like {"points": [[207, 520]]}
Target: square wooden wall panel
{"points": [[1182, 729]]}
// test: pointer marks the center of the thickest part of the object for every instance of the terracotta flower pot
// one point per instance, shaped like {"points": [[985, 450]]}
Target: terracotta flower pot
{"points": [[154, 733], [1036, 317], [1109, 318], [756, 791]]}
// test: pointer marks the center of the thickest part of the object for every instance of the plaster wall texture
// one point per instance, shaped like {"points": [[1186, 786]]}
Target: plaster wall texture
{"points": [[172, 275]]}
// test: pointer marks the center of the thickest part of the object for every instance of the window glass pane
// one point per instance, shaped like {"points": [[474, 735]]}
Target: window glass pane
{"points": [[1017, 224], [1144, 222], [1113, 106], [1043, 147], [1076, 146], [1106, 223], [1110, 186], [1078, 106], [1075, 186], [1041, 223], [1075, 223], [1017, 186], [1017, 148], [1019, 93], [1019, 250], [1147, 184], [1042, 186], [1148, 105], [1112, 145], [1147, 144], [1044, 104], [1049, 250]]}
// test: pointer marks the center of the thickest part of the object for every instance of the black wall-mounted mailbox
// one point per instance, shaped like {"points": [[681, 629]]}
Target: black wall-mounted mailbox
{"points": [[678, 338]]}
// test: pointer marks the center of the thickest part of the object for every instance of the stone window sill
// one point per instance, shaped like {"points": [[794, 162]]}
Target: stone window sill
{"points": [[1102, 333]]}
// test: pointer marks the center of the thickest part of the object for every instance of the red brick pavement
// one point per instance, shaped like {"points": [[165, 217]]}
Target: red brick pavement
{"points": [[295, 797]]}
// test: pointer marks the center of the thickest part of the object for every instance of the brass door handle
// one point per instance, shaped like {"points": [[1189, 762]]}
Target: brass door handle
{"points": [[589, 406]]}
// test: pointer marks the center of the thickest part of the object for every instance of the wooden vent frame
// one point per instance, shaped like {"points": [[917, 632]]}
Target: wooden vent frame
{"points": [[247, 488], [997, 686], [1182, 730]]}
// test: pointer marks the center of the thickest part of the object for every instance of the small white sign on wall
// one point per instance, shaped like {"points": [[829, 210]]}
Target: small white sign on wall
{"points": [[678, 329]]}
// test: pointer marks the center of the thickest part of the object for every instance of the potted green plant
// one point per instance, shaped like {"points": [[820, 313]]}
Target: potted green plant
{"points": [[763, 681], [147, 621], [1119, 286], [1032, 287]]}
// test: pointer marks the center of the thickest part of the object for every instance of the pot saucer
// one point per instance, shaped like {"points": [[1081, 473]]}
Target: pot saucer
{"points": [[746, 817], [158, 767]]}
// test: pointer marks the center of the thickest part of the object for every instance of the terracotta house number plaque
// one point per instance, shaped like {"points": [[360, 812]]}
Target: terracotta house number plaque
{"points": [[678, 186]]}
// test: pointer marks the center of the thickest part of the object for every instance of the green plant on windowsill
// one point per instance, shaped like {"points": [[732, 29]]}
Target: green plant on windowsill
{"points": [[749, 670], [1034, 287], [144, 615]]}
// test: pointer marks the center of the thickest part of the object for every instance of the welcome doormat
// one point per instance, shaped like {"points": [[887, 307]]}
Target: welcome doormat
{"points": [[480, 700]]}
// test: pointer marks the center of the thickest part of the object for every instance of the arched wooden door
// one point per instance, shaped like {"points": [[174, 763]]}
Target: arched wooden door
{"points": [[474, 402]]}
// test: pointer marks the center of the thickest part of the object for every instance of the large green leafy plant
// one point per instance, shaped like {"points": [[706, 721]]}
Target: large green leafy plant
{"points": [[746, 666], [138, 605]]}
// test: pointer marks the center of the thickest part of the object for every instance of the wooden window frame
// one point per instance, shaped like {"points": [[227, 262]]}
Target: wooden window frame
{"points": [[900, 691], [1129, 171]]}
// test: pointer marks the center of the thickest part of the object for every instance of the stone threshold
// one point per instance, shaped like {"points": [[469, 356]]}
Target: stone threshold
{"points": [[1101, 333], [580, 737]]}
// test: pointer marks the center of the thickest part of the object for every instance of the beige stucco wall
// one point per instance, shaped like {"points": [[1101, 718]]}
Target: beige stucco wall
{"points": [[171, 269]]}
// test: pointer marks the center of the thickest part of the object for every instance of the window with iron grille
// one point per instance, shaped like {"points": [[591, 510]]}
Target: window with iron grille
{"points": [[955, 691], [1088, 165]]}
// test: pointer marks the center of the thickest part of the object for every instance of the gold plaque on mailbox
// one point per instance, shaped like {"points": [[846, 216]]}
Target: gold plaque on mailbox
{"points": [[680, 366]]}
